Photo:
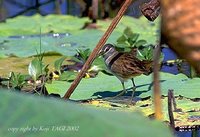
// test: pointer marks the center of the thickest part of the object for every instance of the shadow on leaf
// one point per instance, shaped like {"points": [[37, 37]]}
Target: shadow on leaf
{"points": [[104, 94]]}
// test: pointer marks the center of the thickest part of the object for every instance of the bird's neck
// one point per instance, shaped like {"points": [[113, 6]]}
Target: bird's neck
{"points": [[111, 57]]}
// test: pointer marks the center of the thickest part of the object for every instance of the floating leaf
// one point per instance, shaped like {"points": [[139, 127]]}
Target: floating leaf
{"points": [[68, 76], [24, 42], [99, 62], [111, 86]]}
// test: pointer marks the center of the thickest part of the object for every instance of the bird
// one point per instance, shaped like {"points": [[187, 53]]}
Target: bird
{"points": [[125, 65]]}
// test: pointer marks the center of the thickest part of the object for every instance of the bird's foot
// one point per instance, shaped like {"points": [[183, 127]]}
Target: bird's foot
{"points": [[132, 95], [120, 94], [116, 96]]}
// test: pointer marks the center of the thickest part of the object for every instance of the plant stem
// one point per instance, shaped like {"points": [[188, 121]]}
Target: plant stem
{"points": [[195, 133], [157, 92], [94, 10], [97, 49], [170, 111], [173, 100]]}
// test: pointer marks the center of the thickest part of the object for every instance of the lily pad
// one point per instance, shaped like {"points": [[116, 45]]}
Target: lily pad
{"points": [[110, 86], [50, 23], [189, 116], [24, 43]]}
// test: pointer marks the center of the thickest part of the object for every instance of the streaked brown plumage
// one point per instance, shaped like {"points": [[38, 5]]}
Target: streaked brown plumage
{"points": [[125, 66], [128, 66]]}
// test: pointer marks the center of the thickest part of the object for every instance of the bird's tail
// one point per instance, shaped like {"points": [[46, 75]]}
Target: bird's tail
{"points": [[148, 67]]}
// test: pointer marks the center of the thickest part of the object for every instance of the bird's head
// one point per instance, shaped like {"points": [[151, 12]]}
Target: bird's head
{"points": [[107, 50]]}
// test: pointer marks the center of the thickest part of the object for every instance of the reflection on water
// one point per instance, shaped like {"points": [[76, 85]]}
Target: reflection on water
{"points": [[57, 36], [53, 35], [2, 47], [70, 44]]}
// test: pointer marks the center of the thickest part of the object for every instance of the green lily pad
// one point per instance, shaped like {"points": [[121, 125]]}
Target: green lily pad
{"points": [[105, 86], [24, 43], [50, 23], [24, 47], [188, 114]]}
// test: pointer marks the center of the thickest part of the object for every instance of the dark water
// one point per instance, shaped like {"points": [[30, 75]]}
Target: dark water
{"points": [[14, 7], [28, 8], [173, 69], [188, 133]]}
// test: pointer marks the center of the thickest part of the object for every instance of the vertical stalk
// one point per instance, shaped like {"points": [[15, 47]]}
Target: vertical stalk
{"points": [[57, 7], [195, 133], [2, 12], [170, 109], [156, 89], [95, 10], [68, 6]]}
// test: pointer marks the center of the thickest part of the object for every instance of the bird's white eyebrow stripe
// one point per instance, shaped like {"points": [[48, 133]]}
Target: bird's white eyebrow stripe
{"points": [[108, 50]]}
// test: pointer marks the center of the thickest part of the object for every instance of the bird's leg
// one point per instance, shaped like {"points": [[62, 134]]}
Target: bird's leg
{"points": [[123, 92], [133, 89], [118, 95]]}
